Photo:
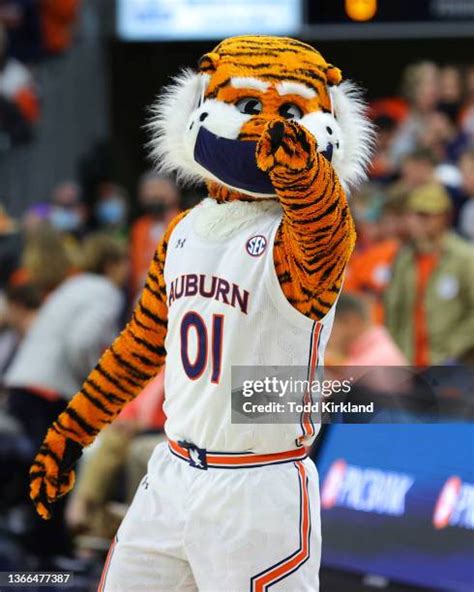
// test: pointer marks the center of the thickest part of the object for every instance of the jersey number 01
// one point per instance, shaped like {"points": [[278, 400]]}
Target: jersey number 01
{"points": [[194, 369]]}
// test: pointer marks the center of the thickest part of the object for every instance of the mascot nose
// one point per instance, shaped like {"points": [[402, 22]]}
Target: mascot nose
{"points": [[277, 132], [328, 152]]}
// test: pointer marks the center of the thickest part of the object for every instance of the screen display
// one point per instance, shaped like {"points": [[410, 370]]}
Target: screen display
{"points": [[160, 20], [398, 501], [386, 11]]}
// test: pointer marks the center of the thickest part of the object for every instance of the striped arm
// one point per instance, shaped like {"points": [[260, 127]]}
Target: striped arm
{"points": [[128, 364], [120, 375], [317, 234]]}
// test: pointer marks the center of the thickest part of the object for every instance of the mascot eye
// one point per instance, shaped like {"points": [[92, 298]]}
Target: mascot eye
{"points": [[290, 111], [249, 106]]}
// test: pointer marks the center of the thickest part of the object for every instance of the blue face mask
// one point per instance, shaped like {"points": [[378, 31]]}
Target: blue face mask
{"points": [[233, 162], [65, 220], [110, 212]]}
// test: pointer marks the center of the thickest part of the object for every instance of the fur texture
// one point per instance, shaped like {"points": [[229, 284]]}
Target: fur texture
{"points": [[172, 141], [357, 131], [221, 221], [167, 126]]}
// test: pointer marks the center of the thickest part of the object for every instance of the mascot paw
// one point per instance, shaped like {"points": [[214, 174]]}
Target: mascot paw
{"points": [[51, 474], [285, 146]]}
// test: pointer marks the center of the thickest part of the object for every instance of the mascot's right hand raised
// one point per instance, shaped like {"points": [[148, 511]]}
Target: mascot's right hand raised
{"points": [[285, 148], [51, 474]]}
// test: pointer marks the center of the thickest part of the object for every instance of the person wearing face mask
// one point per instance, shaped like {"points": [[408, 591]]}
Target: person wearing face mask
{"points": [[159, 202], [68, 216], [67, 208], [111, 210]]}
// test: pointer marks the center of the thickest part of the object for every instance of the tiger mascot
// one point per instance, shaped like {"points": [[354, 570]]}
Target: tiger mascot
{"points": [[248, 277]]}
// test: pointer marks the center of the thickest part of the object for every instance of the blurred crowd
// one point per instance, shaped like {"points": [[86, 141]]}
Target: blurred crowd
{"points": [[30, 31], [69, 278], [72, 267], [413, 268]]}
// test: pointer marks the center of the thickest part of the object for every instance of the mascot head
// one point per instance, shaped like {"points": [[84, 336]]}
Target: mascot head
{"points": [[206, 125]]}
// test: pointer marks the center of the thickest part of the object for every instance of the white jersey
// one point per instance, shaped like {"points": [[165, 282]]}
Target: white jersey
{"points": [[226, 308]]}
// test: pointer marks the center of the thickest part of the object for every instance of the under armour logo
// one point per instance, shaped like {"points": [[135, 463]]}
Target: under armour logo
{"points": [[145, 482], [180, 243], [197, 457]]}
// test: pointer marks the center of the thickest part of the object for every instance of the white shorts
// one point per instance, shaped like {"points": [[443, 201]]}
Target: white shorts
{"points": [[219, 530]]}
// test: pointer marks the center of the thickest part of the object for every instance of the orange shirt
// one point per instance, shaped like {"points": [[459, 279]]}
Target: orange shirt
{"points": [[369, 272], [425, 265]]}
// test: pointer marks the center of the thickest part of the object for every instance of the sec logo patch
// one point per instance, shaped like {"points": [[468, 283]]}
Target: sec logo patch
{"points": [[256, 245]]}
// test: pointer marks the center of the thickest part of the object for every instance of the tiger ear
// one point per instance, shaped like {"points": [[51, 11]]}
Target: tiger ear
{"points": [[208, 63], [333, 75]]}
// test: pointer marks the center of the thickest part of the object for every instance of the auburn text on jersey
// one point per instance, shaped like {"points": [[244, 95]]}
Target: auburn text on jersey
{"points": [[192, 284]]}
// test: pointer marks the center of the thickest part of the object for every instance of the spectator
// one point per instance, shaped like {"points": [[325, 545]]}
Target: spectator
{"points": [[45, 260], [159, 201], [430, 299], [369, 269], [421, 89], [466, 215], [21, 305], [383, 168], [23, 302], [442, 137], [77, 321], [450, 91], [366, 209], [357, 341], [19, 104], [69, 216], [111, 209], [73, 326], [68, 212], [417, 168]]}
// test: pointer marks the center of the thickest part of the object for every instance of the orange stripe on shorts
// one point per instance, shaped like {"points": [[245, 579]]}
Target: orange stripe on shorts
{"points": [[262, 581]]}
